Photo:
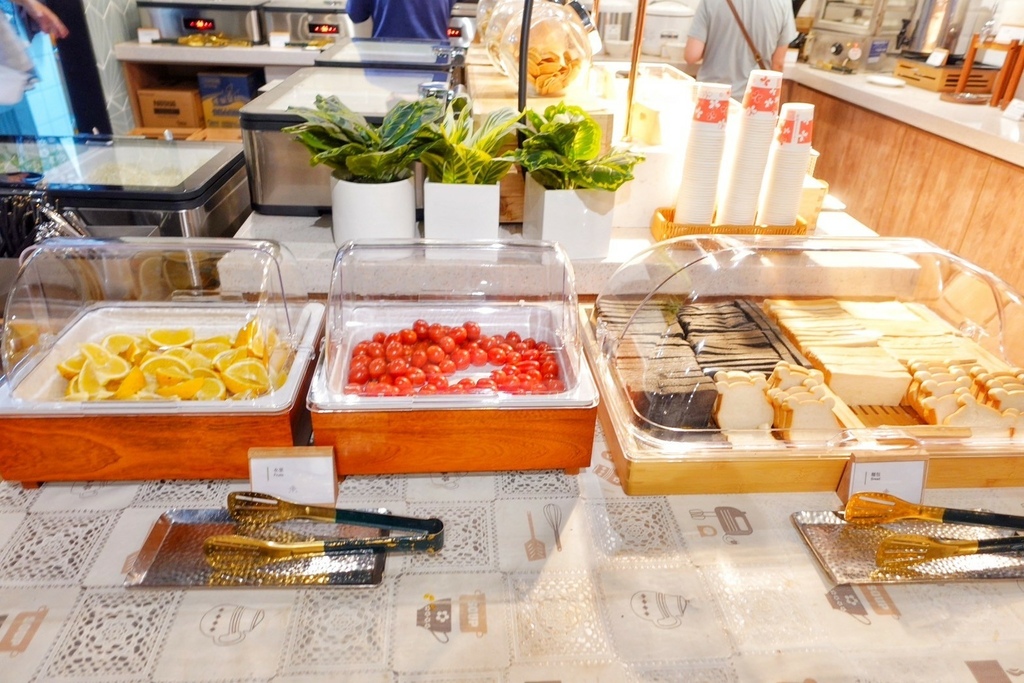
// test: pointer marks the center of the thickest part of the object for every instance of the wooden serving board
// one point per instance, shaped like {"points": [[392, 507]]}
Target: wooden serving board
{"points": [[142, 447], [434, 441]]}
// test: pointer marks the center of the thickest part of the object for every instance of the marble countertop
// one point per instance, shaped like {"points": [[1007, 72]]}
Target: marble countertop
{"points": [[980, 127], [310, 242]]}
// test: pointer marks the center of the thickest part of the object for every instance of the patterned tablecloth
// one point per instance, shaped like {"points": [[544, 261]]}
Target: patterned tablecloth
{"points": [[544, 577]]}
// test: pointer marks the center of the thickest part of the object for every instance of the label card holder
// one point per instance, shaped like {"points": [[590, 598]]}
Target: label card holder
{"points": [[938, 57], [301, 474], [903, 476], [278, 39]]}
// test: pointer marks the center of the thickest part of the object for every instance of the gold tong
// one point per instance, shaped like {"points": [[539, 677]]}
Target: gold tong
{"points": [[899, 550], [258, 509]]}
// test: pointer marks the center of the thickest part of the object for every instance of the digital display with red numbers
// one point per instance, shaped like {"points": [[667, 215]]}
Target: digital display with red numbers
{"points": [[323, 29], [454, 32], [198, 24]]}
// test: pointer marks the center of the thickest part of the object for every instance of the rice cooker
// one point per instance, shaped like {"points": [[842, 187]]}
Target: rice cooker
{"points": [[306, 21], [232, 19], [667, 22]]}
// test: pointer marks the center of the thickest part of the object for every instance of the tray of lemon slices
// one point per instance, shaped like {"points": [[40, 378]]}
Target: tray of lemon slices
{"points": [[105, 380]]}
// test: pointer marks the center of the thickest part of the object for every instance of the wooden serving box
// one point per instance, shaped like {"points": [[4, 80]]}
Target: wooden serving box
{"points": [[663, 227], [944, 78], [75, 299], [385, 288], [94, 442], [651, 460], [402, 442]]}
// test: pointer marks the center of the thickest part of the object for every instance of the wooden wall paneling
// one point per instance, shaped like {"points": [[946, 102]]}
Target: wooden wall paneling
{"points": [[933, 190], [858, 151], [994, 238]]}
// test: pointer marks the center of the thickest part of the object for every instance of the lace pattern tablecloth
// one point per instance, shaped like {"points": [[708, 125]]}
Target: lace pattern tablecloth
{"points": [[544, 577]]}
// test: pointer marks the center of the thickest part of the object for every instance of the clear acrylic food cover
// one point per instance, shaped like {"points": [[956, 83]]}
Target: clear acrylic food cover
{"points": [[703, 331], [525, 287], [79, 300]]}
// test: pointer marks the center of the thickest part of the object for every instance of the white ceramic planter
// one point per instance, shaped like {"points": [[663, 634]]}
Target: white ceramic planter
{"points": [[373, 210], [454, 211], [579, 220]]}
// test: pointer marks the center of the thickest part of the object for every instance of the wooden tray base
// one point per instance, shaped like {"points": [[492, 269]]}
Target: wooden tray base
{"points": [[404, 442]]}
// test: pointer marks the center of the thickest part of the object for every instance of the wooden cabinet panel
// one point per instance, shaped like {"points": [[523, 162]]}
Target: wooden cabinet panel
{"points": [[933, 190], [858, 149], [993, 238]]}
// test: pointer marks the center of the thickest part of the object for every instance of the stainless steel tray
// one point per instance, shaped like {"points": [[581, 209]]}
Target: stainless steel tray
{"points": [[173, 554], [847, 553]]}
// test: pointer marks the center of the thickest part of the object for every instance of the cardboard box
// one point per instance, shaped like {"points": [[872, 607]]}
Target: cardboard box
{"points": [[224, 93], [172, 106]]}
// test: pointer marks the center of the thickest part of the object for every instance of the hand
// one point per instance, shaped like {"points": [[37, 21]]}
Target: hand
{"points": [[48, 21]]}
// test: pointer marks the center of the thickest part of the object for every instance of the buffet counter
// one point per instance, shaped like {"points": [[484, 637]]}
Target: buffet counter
{"points": [[910, 165], [310, 241], [543, 577], [980, 127]]}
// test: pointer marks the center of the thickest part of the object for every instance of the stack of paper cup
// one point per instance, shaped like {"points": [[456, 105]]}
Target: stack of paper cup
{"points": [[750, 139], [695, 202], [787, 166]]}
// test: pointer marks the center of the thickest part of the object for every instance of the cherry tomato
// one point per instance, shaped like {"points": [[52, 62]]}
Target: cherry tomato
{"points": [[360, 349], [358, 374], [435, 354], [497, 355], [428, 389], [435, 331], [408, 336], [393, 338], [420, 327], [472, 330], [530, 342], [403, 382], [543, 347], [379, 337], [418, 358], [394, 350], [513, 337], [461, 358], [555, 386], [486, 383], [447, 366], [513, 357], [458, 335], [377, 367], [416, 376], [375, 350], [447, 344], [531, 354], [431, 369], [438, 381], [399, 367], [488, 343], [478, 358], [549, 369]]}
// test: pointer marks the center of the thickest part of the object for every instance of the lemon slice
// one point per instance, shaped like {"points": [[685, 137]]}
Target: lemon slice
{"points": [[170, 375], [69, 368], [225, 339], [205, 372], [184, 390], [72, 389], [131, 385], [164, 360], [226, 359], [250, 338], [246, 377], [167, 338], [211, 349], [121, 344], [212, 389], [89, 381], [95, 352]]}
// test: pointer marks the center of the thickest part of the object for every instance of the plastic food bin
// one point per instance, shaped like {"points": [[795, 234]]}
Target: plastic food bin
{"points": [[743, 364], [82, 300], [513, 289]]}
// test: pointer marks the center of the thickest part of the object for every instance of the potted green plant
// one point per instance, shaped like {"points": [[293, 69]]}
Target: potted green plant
{"points": [[373, 192], [570, 185], [461, 195]]}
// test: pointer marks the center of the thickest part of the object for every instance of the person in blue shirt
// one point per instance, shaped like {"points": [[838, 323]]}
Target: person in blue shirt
{"points": [[403, 18]]}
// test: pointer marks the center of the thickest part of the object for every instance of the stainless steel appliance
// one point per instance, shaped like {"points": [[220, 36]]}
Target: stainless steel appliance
{"points": [[281, 180], [182, 188], [851, 35], [388, 53], [234, 19], [307, 21]]}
